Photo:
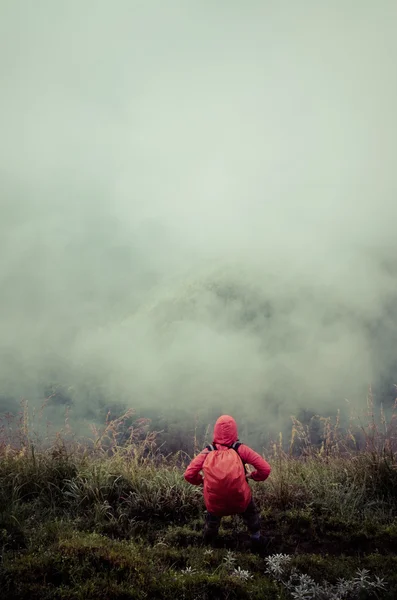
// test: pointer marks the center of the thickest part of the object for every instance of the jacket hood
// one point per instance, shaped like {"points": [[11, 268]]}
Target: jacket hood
{"points": [[225, 431]]}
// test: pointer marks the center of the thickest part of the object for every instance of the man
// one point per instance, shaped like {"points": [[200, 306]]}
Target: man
{"points": [[226, 489]]}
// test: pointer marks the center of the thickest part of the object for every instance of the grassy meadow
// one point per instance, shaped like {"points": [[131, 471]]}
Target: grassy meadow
{"points": [[96, 519]]}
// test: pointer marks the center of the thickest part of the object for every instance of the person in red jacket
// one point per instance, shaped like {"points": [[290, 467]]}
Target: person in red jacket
{"points": [[226, 489]]}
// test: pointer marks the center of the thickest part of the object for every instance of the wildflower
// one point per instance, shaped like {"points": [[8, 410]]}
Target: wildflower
{"points": [[301, 586], [277, 564], [229, 560], [242, 574], [188, 571]]}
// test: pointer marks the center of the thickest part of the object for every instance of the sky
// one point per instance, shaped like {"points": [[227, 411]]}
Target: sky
{"points": [[198, 202]]}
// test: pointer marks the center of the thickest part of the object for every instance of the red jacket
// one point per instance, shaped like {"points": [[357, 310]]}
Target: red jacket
{"points": [[225, 434]]}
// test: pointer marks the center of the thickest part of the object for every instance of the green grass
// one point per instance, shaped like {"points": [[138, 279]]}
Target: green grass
{"points": [[108, 521]]}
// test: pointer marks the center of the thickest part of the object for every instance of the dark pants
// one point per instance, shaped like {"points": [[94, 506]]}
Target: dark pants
{"points": [[250, 517]]}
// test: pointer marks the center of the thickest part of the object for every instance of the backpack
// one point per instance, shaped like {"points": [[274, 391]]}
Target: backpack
{"points": [[225, 479]]}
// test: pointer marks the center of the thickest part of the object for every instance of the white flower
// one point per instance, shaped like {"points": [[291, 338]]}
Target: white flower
{"points": [[229, 559], [302, 587], [188, 571], [242, 574]]}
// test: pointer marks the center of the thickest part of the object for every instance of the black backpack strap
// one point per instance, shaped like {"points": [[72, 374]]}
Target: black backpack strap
{"points": [[211, 447], [235, 447]]}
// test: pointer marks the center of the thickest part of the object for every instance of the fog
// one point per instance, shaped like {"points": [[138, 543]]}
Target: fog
{"points": [[198, 204]]}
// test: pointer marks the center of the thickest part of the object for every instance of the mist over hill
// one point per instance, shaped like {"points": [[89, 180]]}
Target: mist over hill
{"points": [[198, 206]]}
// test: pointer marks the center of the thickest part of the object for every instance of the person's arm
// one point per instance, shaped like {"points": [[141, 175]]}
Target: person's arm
{"points": [[261, 466], [192, 473]]}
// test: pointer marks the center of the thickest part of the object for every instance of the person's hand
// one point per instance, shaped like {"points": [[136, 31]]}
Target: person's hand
{"points": [[249, 472]]}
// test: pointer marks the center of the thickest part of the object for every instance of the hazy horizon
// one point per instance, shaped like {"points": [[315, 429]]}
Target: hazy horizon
{"points": [[198, 203]]}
